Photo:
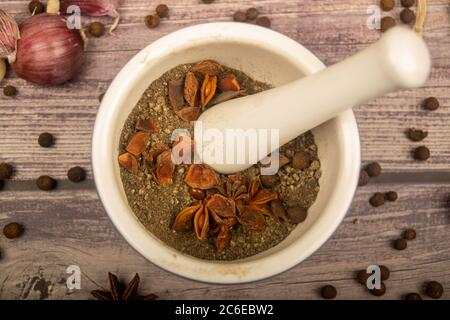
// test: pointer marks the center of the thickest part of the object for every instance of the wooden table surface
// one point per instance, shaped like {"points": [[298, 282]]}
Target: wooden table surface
{"points": [[69, 226]]}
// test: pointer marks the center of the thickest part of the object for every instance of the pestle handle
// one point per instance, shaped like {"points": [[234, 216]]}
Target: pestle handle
{"points": [[399, 60]]}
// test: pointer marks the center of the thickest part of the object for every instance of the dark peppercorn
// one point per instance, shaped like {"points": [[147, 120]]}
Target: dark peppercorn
{"points": [[431, 103], [6, 171], [378, 292], [408, 3], [76, 174], [421, 153], [263, 22], [384, 273], [407, 16], [328, 292], [162, 10], [45, 140], [373, 169], [197, 194], [400, 244], [387, 23], [152, 21], [387, 5], [416, 134], [269, 181], [377, 199], [9, 91], [301, 160], [413, 296], [252, 13], [36, 7], [391, 196], [297, 214], [13, 230], [409, 234], [434, 289], [207, 1], [46, 183], [363, 178], [2, 184], [97, 29], [362, 277], [239, 16]]}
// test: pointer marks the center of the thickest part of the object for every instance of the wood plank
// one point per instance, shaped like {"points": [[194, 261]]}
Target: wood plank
{"points": [[62, 230]]}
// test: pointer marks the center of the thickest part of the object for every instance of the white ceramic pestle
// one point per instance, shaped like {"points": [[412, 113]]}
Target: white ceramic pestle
{"points": [[399, 60]]}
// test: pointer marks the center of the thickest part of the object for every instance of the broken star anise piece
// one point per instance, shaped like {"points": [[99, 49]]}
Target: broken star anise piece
{"points": [[184, 219], [154, 152], [176, 96], [208, 90], [138, 143], [191, 86], [188, 113], [164, 168], [259, 197], [128, 161], [202, 176], [229, 83], [148, 125], [225, 96], [221, 206], [251, 218], [119, 292], [224, 234], [207, 67]]}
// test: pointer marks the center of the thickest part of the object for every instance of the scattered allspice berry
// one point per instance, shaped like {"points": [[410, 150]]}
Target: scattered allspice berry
{"points": [[377, 199], [413, 296], [363, 178], [387, 23], [409, 234], [2, 184], [45, 140], [301, 160], [207, 1], [434, 289], [378, 292], [431, 104], [387, 5], [297, 214], [384, 273], [36, 7], [391, 196], [13, 230], [46, 183], [421, 153], [362, 277], [269, 181], [373, 169], [97, 29], [6, 171], [239, 16], [76, 174], [328, 292], [162, 10], [408, 3], [407, 16], [152, 21], [9, 91], [416, 134], [400, 244], [263, 22], [252, 13]]}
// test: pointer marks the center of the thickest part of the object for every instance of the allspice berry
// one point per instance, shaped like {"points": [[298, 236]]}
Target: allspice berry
{"points": [[97, 29], [400, 244], [197, 194], [46, 183], [269, 181], [297, 214], [328, 292], [263, 22], [45, 140], [9, 91], [162, 10], [377, 199], [277, 208], [408, 3], [431, 103], [409, 234], [362, 277], [373, 169], [2, 184], [152, 21], [6, 171], [387, 5], [413, 296], [239, 16], [13, 230], [252, 13], [391, 196], [300, 160], [407, 16], [378, 292], [36, 7], [434, 289], [387, 23], [76, 174], [207, 1], [384, 273], [421, 153], [363, 178]]}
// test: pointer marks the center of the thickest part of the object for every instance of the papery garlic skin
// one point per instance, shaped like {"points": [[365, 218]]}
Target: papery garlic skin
{"points": [[2, 69], [9, 34], [95, 8], [48, 52]]}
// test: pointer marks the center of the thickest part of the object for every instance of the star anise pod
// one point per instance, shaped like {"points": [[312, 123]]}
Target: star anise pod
{"points": [[120, 292]]}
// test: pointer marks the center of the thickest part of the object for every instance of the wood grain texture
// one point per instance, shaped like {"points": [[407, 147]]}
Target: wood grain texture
{"points": [[69, 226]]}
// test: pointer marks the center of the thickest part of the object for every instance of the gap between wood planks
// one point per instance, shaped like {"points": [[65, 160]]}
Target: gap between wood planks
{"points": [[385, 178]]}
